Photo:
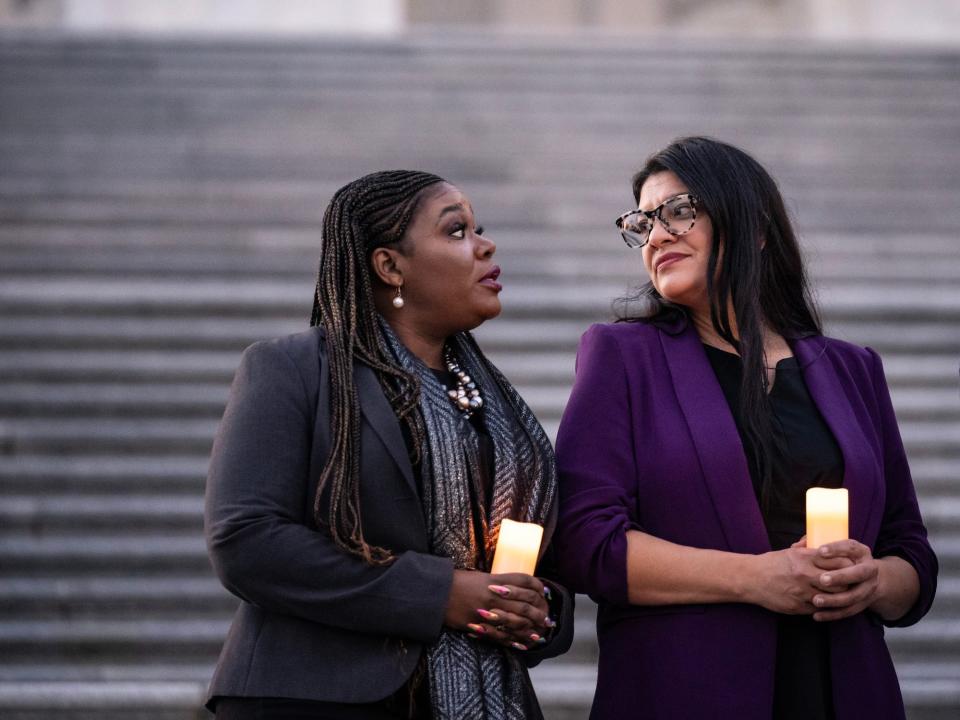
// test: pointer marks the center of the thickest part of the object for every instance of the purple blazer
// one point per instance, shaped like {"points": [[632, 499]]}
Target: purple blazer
{"points": [[647, 441]]}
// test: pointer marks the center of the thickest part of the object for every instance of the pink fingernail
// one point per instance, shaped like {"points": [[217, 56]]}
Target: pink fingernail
{"points": [[487, 615], [479, 629], [499, 590], [518, 646], [534, 637], [826, 579]]}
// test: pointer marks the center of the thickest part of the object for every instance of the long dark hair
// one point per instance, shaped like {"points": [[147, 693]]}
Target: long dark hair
{"points": [[365, 214], [762, 271]]}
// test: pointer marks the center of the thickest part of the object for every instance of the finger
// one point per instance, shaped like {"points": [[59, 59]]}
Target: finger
{"points": [[831, 615], [801, 543], [521, 580], [853, 575], [521, 594], [506, 621], [493, 632], [502, 633], [857, 594], [832, 563], [516, 585], [846, 548], [831, 589], [528, 616], [517, 628], [828, 601]]}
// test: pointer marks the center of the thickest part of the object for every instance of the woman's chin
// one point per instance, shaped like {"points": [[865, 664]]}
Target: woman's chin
{"points": [[487, 312], [681, 293]]}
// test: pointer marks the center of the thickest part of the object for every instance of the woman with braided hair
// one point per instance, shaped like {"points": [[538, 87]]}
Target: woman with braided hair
{"points": [[359, 478]]}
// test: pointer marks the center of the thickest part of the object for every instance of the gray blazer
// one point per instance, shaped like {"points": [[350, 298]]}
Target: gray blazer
{"points": [[316, 623]]}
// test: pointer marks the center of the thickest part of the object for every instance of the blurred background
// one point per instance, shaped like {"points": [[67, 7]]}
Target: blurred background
{"points": [[164, 167]]}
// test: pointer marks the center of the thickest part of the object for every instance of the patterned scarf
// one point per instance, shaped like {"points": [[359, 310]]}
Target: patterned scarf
{"points": [[469, 679]]}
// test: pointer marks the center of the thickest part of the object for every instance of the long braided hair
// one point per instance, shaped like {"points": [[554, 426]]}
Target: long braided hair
{"points": [[363, 215]]}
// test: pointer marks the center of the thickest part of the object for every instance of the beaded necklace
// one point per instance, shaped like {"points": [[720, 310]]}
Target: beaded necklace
{"points": [[466, 396]]}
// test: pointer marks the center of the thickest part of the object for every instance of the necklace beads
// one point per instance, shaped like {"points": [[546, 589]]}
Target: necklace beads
{"points": [[466, 396]]}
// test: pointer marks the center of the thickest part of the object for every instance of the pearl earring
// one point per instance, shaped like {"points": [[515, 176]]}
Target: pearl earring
{"points": [[398, 300]]}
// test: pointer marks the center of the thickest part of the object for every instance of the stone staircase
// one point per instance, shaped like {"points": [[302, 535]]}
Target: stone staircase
{"points": [[160, 204]]}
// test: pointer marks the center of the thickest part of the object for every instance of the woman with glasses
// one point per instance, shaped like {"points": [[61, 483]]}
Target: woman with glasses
{"points": [[360, 476], [690, 439]]}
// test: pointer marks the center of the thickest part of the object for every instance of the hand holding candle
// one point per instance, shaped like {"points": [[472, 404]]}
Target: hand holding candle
{"points": [[518, 548], [827, 516]]}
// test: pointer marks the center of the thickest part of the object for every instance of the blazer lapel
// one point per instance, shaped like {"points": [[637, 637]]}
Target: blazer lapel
{"points": [[716, 441], [831, 398], [377, 411]]}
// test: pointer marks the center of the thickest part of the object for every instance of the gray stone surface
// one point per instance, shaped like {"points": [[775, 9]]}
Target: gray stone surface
{"points": [[160, 204]]}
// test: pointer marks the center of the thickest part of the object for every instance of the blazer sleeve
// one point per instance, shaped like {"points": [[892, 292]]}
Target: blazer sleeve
{"points": [[902, 532], [597, 472], [560, 601], [256, 518]]}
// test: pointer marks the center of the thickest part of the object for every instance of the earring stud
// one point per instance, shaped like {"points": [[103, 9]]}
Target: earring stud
{"points": [[398, 299]]}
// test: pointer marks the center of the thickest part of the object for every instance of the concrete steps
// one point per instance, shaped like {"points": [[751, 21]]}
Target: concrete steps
{"points": [[185, 475], [115, 598], [160, 203], [126, 331]]}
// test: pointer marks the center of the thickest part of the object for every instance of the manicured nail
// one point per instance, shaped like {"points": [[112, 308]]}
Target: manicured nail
{"points": [[479, 629], [826, 579], [500, 590], [518, 646], [546, 593], [535, 637], [818, 601], [550, 622], [487, 615]]}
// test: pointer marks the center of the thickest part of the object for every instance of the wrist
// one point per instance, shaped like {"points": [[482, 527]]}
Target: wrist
{"points": [[453, 614], [880, 604], [743, 578], [881, 592]]}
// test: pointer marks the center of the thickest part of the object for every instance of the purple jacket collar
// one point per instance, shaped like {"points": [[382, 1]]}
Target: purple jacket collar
{"points": [[718, 443]]}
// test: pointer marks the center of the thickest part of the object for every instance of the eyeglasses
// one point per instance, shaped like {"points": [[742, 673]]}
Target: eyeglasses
{"points": [[676, 214]]}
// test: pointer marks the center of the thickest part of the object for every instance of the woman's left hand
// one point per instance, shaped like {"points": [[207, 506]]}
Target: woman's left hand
{"points": [[517, 614], [862, 579]]}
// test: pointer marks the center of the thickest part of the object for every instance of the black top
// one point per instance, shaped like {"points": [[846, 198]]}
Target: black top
{"points": [[807, 455]]}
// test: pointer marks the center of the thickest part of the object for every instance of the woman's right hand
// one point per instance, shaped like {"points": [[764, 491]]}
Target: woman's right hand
{"points": [[785, 581], [509, 609]]}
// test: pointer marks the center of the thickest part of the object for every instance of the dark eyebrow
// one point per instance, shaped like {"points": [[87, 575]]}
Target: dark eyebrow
{"points": [[449, 209], [665, 201]]}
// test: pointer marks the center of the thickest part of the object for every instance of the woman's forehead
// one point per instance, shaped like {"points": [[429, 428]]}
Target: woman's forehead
{"points": [[442, 199], [658, 187]]}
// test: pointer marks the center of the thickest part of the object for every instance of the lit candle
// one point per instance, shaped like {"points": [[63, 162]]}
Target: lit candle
{"points": [[517, 548], [827, 513]]}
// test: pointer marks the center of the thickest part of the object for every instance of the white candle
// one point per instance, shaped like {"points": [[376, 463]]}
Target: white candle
{"points": [[517, 548], [827, 516]]}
